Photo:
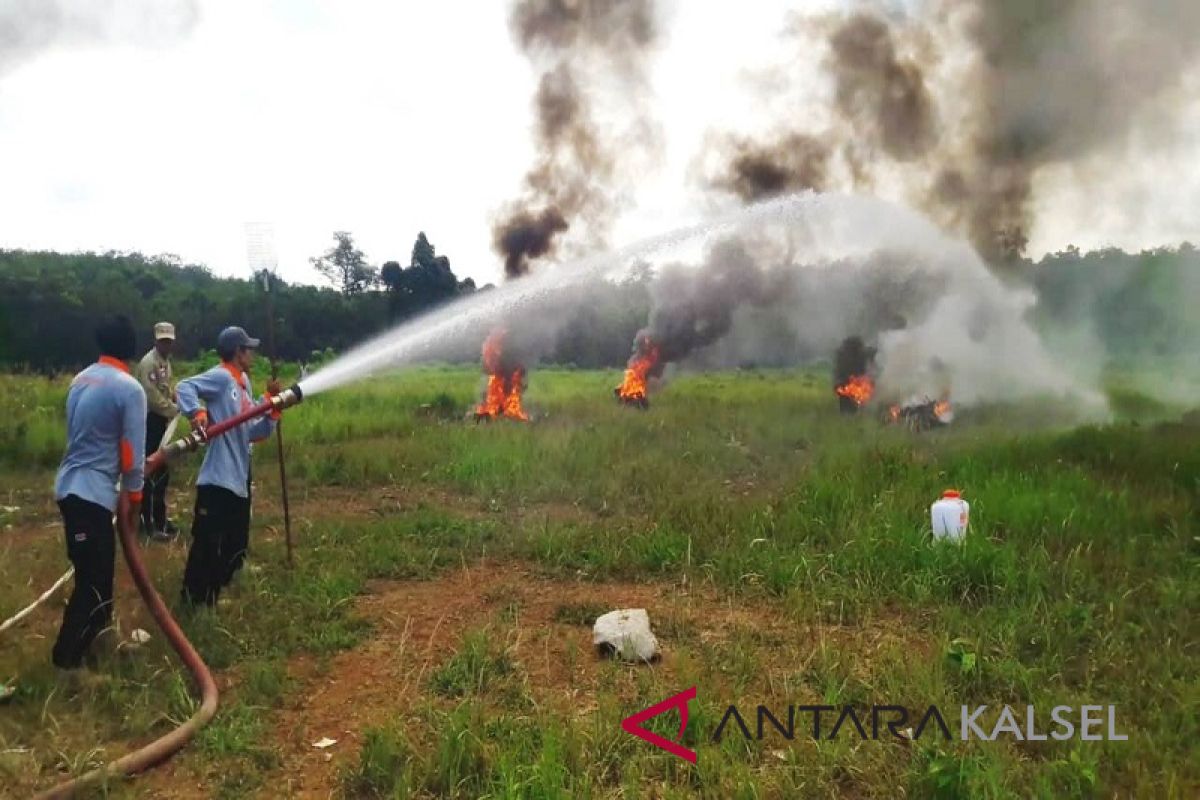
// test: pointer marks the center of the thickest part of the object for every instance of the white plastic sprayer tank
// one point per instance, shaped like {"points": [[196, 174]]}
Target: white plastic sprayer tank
{"points": [[950, 517]]}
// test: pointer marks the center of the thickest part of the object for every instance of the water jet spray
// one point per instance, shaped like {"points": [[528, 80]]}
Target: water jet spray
{"points": [[260, 248]]}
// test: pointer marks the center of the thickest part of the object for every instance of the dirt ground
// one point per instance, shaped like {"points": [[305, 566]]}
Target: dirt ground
{"points": [[418, 625]]}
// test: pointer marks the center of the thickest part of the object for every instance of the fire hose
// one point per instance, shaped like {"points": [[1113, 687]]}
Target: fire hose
{"points": [[166, 746], [66, 576], [27, 610]]}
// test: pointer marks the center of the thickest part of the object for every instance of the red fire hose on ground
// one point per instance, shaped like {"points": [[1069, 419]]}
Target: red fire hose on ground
{"points": [[166, 746]]}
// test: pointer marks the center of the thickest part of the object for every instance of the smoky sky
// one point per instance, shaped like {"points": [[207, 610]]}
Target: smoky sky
{"points": [[880, 90], [571, 187], [1029, 85], [30, 28], [757, 170], [1053, 83]]}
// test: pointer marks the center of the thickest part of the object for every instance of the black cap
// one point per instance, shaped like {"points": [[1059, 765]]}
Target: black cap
{"points": [[232, 338]]}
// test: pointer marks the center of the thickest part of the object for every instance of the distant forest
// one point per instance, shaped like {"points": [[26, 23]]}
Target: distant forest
{"points": [[50, 302], [1135, 304]]}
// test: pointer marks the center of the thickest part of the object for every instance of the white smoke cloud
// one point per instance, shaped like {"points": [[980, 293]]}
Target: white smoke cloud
{"points": [[29, 28], [942, 321]]}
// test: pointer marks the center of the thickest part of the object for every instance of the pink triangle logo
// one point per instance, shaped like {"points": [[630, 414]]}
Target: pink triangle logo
{"points": [[633, 724]]}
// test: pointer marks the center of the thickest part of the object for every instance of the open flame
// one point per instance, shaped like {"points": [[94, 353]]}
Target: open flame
{"points": [[853, 367], [859, 389], [633, 388], [922, 413], [502, 398]]}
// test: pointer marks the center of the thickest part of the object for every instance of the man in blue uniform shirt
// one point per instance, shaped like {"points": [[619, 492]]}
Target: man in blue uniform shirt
{"points": [[106, 430], [221, 526]]}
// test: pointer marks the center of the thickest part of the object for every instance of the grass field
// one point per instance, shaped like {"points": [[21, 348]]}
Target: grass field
{"points": [[437, 624]]}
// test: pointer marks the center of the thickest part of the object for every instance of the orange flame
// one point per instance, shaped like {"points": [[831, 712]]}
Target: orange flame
{"points": [[633, 388], [512, 403], [493, 350], [503, 395], [859, 388], [922, 413]]}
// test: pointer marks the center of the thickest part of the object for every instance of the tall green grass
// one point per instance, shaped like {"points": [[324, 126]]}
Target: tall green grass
{"points": [[1077, 584]]}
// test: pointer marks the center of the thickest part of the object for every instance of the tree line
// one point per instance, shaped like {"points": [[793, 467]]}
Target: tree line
{"points": [[1132, 304], [50, 302]]}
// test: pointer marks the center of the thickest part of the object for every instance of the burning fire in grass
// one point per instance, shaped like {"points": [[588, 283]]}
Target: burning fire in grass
{"points": [[858, 390], [853, 368], [642, 364], [506, 381], [853, 364], [921, 413]]}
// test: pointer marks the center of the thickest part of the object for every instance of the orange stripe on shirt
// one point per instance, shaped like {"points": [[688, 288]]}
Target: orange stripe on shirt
{"points": [[238, 378], [116, 363], [126, 455]]}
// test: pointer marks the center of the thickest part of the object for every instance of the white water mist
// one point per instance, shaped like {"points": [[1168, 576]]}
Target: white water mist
{"points": [[968, 335], [417, 338]]}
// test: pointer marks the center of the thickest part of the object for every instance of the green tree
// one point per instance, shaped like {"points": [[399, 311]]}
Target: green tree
{"points": [[391, 274], [422, 253], [345, 266], [427, 281]]}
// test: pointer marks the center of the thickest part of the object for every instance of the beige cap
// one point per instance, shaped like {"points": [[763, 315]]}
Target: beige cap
{"points": [[164, 330]]}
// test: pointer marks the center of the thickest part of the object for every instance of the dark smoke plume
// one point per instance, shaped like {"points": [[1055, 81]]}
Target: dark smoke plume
{"points": [[1054, 83], [877, 89], [749, 303], [694, 308], [571, 186], [973, 97], [757, 171], [526, 236], [561, 25], [883, 106], [29, 28], [852, 358]]}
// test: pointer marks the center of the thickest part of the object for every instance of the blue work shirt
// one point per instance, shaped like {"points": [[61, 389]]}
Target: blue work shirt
{"points": [[225, 391], [106, 435]]}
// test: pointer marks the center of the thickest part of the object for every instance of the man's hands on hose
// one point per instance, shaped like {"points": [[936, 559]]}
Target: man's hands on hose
{"points": [[199, 423], [274, 387]]}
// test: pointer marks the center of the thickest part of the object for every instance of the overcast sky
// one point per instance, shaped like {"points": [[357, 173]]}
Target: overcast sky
{"points": [[389, 118]]}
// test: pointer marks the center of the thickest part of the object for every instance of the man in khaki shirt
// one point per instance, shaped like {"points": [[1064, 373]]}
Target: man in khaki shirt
{"points": [[154, 373]]}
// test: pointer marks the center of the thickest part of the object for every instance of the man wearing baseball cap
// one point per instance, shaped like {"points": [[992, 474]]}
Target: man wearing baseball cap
{"points": [[154, 373], [221, 527]]}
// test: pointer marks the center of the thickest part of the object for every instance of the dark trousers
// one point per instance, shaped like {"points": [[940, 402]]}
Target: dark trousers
{"points": [[91, 548], [154, 497], [220, 536]]}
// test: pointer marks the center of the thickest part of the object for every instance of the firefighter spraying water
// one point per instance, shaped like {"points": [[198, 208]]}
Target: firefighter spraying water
{"points": [[106, 412], [231, 412]]}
